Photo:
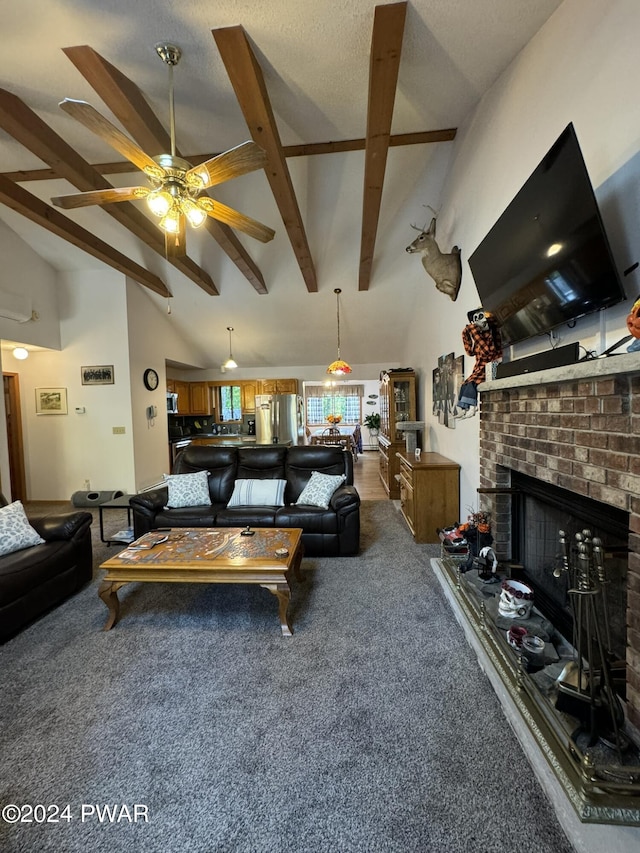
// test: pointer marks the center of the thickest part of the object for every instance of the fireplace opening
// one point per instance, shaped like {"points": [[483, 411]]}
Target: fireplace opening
{"points": [[539, 511]]}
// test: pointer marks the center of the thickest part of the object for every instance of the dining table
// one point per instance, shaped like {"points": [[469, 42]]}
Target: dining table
{"points": [[349, 434]]}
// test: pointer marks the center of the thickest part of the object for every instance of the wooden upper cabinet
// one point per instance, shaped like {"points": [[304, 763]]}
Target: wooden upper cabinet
{"points": [[199, 398], [182, 390], [171, 386], [250, 387], [278, 386]]}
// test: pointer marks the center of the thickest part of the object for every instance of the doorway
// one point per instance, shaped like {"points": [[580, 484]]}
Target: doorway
{"points": [[11, 385]]}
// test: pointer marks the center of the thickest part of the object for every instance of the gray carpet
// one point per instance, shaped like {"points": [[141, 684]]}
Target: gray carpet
{"points": [[371, 729]]}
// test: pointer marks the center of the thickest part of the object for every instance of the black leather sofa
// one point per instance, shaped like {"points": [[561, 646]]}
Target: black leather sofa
{"points": [[326, 532], [36, 579]]}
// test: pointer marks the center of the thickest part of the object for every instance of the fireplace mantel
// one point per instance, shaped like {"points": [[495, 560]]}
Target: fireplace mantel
{"points": [[593, 369]]}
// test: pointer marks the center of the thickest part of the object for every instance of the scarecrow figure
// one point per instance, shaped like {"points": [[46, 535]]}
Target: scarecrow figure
{"points": [[481, 338], [633, 324]]}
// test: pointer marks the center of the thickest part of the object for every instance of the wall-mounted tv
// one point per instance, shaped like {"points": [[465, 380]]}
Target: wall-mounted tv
{"points": [[547, 260]]}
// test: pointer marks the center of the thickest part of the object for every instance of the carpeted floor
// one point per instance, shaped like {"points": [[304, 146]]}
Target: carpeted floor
{"points": [[371, 730]]}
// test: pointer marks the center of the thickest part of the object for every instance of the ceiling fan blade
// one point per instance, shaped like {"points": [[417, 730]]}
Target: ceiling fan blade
{"points": [[237, 161], [74, 200], [235, 219], [175, 245], [102, 127]]}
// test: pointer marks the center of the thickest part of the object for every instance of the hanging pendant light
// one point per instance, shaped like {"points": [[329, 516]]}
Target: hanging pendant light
{"points": [[229, 363], [338, 367]]}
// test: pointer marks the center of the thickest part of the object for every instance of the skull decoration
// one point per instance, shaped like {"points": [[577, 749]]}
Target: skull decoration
{"points": [[516, 600], [479, 319]]}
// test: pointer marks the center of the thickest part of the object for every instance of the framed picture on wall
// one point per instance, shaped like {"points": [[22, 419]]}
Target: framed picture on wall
{"points": [[51, 401], [97, 374]]}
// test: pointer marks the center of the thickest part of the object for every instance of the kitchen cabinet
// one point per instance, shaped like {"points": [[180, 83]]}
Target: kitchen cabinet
{"points": [[171, 386], [182, 390], [429, 494], [249, 389], [278, 386], [199, 398], [397, 402]]}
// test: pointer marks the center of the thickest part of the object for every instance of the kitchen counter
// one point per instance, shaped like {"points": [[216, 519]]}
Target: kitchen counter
{"points": [[228, 440]]}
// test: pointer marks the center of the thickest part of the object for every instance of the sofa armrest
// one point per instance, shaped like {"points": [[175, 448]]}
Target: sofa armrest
{"points": [[344, 497], [150, 502], [63, 527]]}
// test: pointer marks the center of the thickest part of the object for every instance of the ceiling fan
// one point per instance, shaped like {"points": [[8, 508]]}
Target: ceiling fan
{"points": [[176, 193]]}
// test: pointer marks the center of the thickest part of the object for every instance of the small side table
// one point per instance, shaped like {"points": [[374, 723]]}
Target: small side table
{"points": [[117, 503]]}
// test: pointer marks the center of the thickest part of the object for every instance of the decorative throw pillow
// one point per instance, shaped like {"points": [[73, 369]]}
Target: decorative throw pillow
{"points": [[15, 531], [319, 489], [188, 489], [258, 493]]}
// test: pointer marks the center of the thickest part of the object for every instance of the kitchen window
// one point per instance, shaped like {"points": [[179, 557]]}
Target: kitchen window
{"points": [[230, 403]]}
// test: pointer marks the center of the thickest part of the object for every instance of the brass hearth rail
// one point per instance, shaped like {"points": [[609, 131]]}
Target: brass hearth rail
{"points": [[606, 794]]}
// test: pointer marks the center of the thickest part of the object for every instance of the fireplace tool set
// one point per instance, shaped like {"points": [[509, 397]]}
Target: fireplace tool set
{"points": [[586, 685]]}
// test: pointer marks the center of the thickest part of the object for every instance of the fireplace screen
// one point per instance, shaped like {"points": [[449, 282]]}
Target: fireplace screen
{"points": [[539, 512]]}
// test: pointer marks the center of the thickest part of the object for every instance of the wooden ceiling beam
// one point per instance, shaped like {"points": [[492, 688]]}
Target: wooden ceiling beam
{"points": [[123, 97], [303, 149], [384, 63], [17, 119], [36, 210], [228, 241], [128, 104], [248, 84]]}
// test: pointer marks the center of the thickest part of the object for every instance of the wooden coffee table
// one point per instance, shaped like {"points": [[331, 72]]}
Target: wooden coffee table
{"points": [[268, 557]]}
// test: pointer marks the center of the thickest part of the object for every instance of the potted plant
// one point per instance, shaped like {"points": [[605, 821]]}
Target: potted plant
{"points": [[372, 422]]}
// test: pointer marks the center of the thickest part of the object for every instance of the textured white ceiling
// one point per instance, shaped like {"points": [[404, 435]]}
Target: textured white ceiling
{"points": [[315, 59]]}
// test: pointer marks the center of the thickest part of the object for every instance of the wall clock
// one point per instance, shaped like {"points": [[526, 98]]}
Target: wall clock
{"points": [[150, 379]]}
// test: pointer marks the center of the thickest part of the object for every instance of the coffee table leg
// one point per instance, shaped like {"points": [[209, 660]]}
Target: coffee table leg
{"points": [[108, 592], [283, 594], [297, 562]]}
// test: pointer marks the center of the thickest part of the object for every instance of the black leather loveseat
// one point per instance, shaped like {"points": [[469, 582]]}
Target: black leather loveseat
{"points": [[326, 532], [36, 579]]}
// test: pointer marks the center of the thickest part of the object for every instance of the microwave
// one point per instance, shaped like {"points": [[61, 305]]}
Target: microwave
{"points": [[172, 403]]}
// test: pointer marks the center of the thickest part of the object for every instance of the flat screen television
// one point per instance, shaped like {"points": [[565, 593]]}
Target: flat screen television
{"points": [[547, 260]]}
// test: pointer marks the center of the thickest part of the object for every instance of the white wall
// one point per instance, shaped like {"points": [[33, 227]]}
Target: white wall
{"points": [[103, 319], [64, 451], [23, 272], [151, 339], [581, 67]]}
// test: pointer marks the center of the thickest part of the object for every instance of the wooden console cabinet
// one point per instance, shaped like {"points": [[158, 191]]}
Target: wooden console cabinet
{"points": [[429, 494], [397, 404]]}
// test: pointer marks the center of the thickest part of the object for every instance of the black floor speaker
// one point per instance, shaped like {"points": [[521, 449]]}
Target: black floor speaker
{"points": [[559, 357]]}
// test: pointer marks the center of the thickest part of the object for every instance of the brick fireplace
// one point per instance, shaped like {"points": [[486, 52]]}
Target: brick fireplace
{"points": [[577, 428]]}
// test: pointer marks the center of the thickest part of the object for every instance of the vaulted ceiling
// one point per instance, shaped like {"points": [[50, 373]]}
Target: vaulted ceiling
{"points": [[352, 101]]}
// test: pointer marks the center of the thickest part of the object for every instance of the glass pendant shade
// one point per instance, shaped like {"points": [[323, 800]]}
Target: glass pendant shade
{"points": [[230, 363], [159, 202], [171, 222], [194, 213], [338, 367]]}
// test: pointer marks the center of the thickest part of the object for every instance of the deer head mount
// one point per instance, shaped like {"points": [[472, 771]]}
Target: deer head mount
{"points": [[444, 269]]}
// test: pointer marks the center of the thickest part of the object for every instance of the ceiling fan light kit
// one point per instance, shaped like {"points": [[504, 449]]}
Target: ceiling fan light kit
{"points": [[176, 192]]}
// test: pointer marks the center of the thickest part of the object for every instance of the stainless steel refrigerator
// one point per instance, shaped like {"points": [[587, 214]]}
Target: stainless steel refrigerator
{"points": [[279, 419]]}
